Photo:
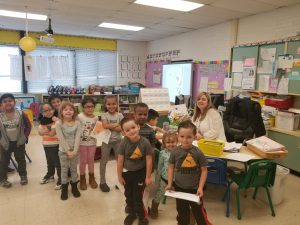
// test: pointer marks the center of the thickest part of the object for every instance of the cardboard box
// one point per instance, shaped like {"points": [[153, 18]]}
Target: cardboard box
{"points": [[268, 155]]}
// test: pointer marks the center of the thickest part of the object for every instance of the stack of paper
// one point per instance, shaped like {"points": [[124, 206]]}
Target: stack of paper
{"points": [[265, 144], [232, 147], [184, 196]]}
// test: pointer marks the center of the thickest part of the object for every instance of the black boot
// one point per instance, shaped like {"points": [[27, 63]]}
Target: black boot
{"points": [[75, 190], [64, 191]]}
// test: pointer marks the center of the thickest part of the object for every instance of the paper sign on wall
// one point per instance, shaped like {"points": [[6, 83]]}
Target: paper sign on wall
{"points": [[296, 63], [268, 54], [237, 79], [264, 81], [203, 84], [285, 61], [157, 77], [237, 66], [249, 62], [227, 84], [273, 84], [248, 81], [283, 86]]}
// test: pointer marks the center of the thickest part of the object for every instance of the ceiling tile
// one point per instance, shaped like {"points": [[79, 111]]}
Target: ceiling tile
{"points": [[248, 6], [280, 2], [218, 12]]}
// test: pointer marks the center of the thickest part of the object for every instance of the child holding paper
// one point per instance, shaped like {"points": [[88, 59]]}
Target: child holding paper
{"points": [[134, 170], [110, 120], [189, 167], [87, 146]]}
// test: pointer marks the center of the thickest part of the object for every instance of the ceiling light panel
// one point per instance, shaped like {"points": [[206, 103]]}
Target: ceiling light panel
{"points": [[22, 15], [120, 26]]}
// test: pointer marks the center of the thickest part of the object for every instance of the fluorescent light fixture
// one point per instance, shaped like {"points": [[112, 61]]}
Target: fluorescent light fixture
{"points": [[178, 5], [120, 26], [22, 15]]}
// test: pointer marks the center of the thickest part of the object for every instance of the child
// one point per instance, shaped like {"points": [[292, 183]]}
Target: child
{"points": [[169, 142], [189, 167], [50, 143], [87, 143], [55, 101], [134, 170], [68, 132], [15, 128], [152, 120], [111, 120]]}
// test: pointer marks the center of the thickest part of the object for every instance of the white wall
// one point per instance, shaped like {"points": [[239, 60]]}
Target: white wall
{"points": [[211, 43], [132, 48], [280, 23]]}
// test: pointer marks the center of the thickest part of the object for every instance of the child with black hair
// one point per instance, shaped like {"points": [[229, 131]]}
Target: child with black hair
{"points": [[188, 165], [152, 120], [50, 143], [55, 101], [15, 128]]}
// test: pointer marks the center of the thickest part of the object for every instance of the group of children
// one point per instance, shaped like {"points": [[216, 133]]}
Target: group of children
{"points": [[66, 140]]}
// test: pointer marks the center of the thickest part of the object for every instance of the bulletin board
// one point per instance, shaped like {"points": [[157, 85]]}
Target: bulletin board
{"points": [[294, 49], [209, 76], [154, 73]]}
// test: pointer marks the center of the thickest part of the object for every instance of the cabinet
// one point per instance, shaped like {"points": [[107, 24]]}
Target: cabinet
{"points": [[290, 139]]}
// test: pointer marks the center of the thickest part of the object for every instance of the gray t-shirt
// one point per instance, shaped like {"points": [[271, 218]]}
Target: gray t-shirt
{"points": [[87, 125], [116, 118], [135, 153], [11, 125], [187, 166]]}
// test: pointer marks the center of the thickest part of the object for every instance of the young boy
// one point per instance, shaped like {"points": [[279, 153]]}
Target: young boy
{"points": [[134, 170], [189, 166], [55, 101], [15, 128], [152, 120]]}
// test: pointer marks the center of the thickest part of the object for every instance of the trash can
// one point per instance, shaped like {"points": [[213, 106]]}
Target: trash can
{"points": [[277, 191]]}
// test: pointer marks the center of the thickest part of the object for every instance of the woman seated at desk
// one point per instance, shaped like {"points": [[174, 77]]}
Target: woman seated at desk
{"points": [[207, 119]]}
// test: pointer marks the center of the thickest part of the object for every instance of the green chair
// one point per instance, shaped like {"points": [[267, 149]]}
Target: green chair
{"points": [[260, 174]]}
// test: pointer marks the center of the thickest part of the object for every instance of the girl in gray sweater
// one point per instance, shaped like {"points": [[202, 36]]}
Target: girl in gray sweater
{"points": [[68, 132]]}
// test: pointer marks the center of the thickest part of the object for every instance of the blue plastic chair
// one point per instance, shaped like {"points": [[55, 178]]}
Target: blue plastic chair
{"points": [[217, 174]]}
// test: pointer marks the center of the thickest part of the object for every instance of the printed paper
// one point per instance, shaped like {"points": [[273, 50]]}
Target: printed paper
{"points": [[264, 81], [184, 196], [203, 84], [249, 62], [227, 84], [268, 54], [237, 66], [237, 79], [285, 61], [100, 134], [283, 86]]}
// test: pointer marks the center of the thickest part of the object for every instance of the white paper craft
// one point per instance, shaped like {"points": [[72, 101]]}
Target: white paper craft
{"points": [[227, 84], [203, 84], [268, 54], [285, 61], [237, 66], [184, 196], [283, 86], [237, 79], [241, 157], [248, 81], [264, 81], [100, 134]]}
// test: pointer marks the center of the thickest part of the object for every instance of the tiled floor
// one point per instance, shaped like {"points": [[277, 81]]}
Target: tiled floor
{"points": [[37, 204]]}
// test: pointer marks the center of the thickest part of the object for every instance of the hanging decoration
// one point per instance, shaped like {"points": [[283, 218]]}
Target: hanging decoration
{"points": [[27, 43]]}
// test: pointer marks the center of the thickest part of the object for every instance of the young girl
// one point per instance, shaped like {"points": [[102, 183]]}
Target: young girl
{"points": [[87, 143], [188, 166], [68, 131], [169, 143], [111, 120], [50, 143]]}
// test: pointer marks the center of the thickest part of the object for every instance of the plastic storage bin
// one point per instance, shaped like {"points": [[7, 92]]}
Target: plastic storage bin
{"points": [[278, 190], [211, 147], [280, 103], [287, 120]]}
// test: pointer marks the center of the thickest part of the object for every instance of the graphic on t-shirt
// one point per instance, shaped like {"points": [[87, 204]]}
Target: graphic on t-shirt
{"points": [[188, 162], [136, 154], [86, 130]]}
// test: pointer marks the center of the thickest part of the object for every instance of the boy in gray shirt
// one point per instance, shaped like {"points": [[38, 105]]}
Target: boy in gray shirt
{"points": [[188, 166], [134, 170]]}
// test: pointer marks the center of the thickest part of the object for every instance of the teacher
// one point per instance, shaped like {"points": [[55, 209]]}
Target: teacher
{"points": [[207, 119]]}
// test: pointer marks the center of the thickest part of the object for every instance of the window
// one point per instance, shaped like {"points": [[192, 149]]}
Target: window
{"points": [[47, 66], [10, 72], [96, 67]]}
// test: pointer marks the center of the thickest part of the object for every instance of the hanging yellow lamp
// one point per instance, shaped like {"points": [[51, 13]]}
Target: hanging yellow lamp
{"points": [[27, 43]]}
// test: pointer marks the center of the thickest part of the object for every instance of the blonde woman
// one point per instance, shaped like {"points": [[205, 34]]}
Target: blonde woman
{"points": [[207, 119]]}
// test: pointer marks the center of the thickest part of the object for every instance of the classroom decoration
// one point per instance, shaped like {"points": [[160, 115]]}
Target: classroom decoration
{"points": [[130, 68], [177, 114], [27, 43], [166, 55], [154, 73], [209, 76], [156, 98]]}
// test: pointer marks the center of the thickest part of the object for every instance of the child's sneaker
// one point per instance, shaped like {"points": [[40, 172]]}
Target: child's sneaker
{"points": [[5, 183], [24, 180], [47, 179], [129, 219], [57, 186]]}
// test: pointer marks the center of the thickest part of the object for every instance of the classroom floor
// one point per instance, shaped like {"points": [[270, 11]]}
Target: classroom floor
{"points": [[37, 204]]}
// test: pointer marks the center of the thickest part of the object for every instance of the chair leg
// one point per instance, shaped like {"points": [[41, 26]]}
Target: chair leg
{"points": [[255, 192], [28, 157], [238, 203], [14, 163], [228, 201], [270, 201]]}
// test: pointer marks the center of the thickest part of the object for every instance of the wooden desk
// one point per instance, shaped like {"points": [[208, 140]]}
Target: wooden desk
{"points": [[243, 150]]}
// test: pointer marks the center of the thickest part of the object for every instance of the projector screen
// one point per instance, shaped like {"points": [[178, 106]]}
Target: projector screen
{"points": [[178, 79]]}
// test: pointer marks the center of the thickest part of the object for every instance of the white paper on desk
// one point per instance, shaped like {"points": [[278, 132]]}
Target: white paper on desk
{"points": [[227, 84], [237, 79], [237, 66], [203, 84], [241, 157], [184, 196], [100, 134], [232, 145]]}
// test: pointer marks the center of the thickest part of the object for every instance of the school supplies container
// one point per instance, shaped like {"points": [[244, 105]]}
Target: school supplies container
{"points": [[211, 147], [287, 120]]}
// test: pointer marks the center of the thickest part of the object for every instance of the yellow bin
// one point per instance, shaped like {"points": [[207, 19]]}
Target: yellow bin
{"points": [[211, 147]]}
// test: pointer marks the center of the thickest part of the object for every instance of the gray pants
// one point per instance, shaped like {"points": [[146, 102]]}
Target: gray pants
{"points": [[65, 164], [105, 153]]}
